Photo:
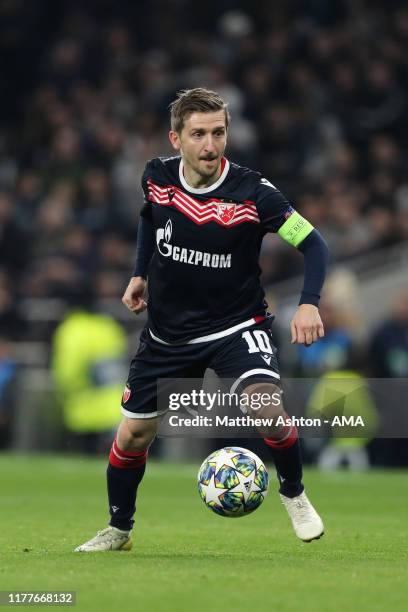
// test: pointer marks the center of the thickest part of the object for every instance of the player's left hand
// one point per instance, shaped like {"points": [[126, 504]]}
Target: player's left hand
{"points": [[306, 326]]}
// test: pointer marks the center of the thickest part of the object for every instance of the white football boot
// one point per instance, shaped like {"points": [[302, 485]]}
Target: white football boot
{"points": [[110, 538], [306, 522]]}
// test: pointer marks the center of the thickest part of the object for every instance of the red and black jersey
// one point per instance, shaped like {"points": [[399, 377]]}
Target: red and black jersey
{"points": [[204, 274]]}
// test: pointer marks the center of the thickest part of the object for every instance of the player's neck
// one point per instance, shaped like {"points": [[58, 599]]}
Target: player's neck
{"points": [[197, 181]]}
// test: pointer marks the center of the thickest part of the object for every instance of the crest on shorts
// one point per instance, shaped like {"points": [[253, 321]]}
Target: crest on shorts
{"points": [[126, 394], [226, 212]]}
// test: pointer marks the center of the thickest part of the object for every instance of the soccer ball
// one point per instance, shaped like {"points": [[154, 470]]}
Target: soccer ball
{"points": [[233, 481]]}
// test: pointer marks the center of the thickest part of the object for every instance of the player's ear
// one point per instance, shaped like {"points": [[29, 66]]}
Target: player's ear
{"points": [[175, 140]]}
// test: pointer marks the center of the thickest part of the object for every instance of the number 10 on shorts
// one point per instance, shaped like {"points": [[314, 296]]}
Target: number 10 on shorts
{"points": [[258, 341]]}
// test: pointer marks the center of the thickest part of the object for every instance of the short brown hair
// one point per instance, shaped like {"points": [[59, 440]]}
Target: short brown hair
{"points": [[197, 100]]}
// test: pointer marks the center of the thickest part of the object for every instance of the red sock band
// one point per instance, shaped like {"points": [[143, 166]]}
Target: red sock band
{"points": [[287, 438], [124, 459]]}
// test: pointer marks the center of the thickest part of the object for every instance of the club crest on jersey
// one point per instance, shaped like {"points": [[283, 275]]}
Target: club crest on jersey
{"points": [[226, 212], [126, 394]]}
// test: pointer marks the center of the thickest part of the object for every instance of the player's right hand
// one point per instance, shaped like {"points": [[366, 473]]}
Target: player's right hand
{"points": [[133, 296]]}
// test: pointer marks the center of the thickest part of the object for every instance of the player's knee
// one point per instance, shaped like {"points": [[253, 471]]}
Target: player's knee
{"points": [[264, 400], [136, 434]]}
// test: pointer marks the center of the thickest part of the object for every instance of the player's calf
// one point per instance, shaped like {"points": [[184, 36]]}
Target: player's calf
{"points": [[283, 441], [127, 464], [265, 403], [136, 435], [281, 437]]}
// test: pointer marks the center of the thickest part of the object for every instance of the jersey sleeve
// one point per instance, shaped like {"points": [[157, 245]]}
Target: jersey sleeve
{"points": [[146, 210], [145, 246], [277, 215]]}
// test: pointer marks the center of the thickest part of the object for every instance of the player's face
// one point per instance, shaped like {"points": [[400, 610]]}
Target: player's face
{"points": [[202, 143]]}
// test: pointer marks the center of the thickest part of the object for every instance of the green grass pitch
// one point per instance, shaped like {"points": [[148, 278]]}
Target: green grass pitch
{"points": [[187, 558]]}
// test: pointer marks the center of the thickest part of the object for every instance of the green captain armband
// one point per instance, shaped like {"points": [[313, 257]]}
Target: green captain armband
{"points": [[295, 229]]}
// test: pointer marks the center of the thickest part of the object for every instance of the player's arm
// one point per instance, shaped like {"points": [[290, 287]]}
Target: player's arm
{"points": [[306, 326], [133, 298], [277, 215]]}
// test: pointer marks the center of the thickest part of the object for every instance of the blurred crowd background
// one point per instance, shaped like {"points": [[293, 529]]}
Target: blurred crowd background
{"points": [[318, 92]]}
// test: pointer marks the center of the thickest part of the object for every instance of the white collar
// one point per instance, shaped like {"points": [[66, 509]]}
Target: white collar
{"points": [[203, 189]]}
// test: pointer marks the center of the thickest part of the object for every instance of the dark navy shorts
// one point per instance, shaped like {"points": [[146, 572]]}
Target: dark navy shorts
{"points": [[244, 355]]}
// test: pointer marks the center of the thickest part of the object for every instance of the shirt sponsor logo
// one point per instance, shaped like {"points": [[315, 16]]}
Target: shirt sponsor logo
{"points": [[188, 256]]}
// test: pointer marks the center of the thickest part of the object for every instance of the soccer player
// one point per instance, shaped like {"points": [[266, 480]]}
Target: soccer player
{"points": [[198, 244]]}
